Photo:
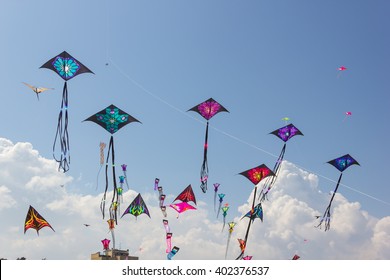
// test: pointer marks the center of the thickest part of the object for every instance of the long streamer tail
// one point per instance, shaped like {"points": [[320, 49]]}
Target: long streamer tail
{"points": [[62, 134], [270, 181], [204, 171], [326, 217]]}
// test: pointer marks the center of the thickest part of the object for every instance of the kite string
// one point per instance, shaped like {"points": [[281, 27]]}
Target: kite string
{"points": [[232, 136]]}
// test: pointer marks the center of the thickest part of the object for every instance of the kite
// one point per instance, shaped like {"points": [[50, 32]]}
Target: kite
{"points": [[182, 207], [156, 181], [119, 191], [216, 186], [186, 195], [37, 90], [255, 175], [87, 225], [111, 119], [221, 196], [124, 170], [207, 110], [168, 236], [35, 220], [286, 119], [164, 210], [224, 213], [340, 70], [231, 227], [347, 114], [111, 227], [341, 164], [67, 67], [173, 252], [169, 242], [254, 213], [162, 199], [137, 207], [106, 244], [285, 133], [296, 257], [166, 226], [247, 258]]}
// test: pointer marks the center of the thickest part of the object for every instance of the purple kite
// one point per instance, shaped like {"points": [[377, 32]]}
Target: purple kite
{"points": [[207, 110]]}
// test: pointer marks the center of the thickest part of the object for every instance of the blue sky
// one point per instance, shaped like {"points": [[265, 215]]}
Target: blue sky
{"points": [[263, 60]]}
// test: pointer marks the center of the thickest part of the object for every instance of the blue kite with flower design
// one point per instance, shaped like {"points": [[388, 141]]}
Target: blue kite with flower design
{"points": [[111, 119]]}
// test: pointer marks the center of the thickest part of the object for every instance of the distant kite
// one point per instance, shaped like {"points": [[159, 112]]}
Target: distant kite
{"points": [[207, 110], [341, 164], [37, 90], [35, 220]]}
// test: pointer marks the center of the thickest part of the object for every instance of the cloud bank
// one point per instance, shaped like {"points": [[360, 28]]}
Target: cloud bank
{"points": [[26, 179]]}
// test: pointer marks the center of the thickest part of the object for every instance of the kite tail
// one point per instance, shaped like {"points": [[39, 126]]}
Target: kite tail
{"points": [[113, 238], [326, 217], [102, 147], [270, 181], [227, 245], [249, 226], [204, 171], [215, 200], [219, 209], [62, 133]]}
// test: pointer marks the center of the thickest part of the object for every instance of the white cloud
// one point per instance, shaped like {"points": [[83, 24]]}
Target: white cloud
{"points": [[288, 227]]}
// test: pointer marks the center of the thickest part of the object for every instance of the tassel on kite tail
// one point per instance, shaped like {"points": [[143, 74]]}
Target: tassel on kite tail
{"points": [[62, 133], [204, 171], [249, 226], [270, 181], [124, 169], [102, 147], [326, 217]]}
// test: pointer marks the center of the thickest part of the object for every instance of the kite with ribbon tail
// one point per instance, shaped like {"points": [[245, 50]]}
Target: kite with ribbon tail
{"points": [[35, 220], [111, 119], [231, 228], [221, 196], [67, 67], [225, 209], [207, 110], [255, 175], [284, 133], [341, 164]]}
